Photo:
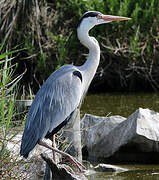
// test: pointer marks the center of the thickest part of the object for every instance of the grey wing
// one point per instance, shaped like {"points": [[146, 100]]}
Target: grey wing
{"points": [[56, 100]]}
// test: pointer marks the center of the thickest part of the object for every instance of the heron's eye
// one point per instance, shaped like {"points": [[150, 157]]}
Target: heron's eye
{"points": [[99, 16]]}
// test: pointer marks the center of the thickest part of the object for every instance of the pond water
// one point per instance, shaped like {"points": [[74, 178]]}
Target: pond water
{"points": [[123, 105], [119, 104], [135, 172]]}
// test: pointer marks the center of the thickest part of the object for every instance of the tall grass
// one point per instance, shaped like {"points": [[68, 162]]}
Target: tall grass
{"points": [[8, 93]]}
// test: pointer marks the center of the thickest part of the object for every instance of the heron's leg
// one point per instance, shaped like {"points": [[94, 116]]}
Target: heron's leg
{"points": [[54, 146], [69, 157]]}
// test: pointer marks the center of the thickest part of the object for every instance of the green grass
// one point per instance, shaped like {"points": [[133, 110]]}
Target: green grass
{"points": [[8, 87]]}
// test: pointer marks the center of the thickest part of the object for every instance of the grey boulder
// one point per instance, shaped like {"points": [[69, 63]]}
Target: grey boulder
{"points": [[104, 136]]}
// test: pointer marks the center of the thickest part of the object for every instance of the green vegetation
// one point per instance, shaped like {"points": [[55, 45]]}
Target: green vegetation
{"points": [[8, 122], [47, 29]]}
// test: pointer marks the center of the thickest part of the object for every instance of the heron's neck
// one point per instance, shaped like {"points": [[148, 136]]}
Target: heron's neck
{"points": [[90, 66]]}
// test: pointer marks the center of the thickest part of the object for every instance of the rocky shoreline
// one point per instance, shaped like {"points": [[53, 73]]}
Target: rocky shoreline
{"points": [[106, 140], [132, 139]]}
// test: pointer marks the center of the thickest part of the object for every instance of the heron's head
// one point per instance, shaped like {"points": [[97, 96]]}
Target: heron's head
{"points": [[92, 18]]}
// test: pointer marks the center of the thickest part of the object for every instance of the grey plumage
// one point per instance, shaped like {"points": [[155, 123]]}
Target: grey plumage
{"points": [[64, 90], [48, 110]]}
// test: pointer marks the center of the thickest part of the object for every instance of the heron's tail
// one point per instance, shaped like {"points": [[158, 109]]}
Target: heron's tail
{"points": [[24, 155], [28, 143]]}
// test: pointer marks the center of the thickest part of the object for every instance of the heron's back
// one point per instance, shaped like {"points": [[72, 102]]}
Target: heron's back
{"points": [[55, 101]]}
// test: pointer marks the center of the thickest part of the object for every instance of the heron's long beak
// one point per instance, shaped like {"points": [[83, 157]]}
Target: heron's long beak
{"points": [[113, 18]]}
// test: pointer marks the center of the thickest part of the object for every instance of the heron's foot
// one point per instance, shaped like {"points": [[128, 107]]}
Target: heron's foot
{"points": [[75, 162], [69, 157]]}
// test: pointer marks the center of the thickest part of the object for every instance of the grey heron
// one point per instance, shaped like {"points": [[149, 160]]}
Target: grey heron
{"points": [[64, 90]]}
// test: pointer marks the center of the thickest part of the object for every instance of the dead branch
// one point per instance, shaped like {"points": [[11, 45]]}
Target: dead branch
{"points": [[61, 171]]}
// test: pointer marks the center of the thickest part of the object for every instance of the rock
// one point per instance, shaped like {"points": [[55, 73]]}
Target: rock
{"points": [[94, 127], [14, 148], [109, 168], [89, 172], [104, 138], [62, 171], [14, 145], [33, 168], [72, 133]]}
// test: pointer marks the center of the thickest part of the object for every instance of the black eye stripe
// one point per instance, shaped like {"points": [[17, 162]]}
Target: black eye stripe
{"points": [[89, 14], [78, 74]]}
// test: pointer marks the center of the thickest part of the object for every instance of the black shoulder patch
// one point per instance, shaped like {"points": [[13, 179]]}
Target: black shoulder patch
{"points": [[78, 74]]}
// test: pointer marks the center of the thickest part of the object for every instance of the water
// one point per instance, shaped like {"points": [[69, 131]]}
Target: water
{"points": [[123, 105], [135, 172], [119, 104]]}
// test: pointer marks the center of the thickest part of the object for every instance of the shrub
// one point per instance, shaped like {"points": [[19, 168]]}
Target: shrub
{"points": [[49, 34]]}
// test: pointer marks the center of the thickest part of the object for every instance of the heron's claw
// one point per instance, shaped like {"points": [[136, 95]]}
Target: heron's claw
{"points": [[69, 157], [76, 163]]}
